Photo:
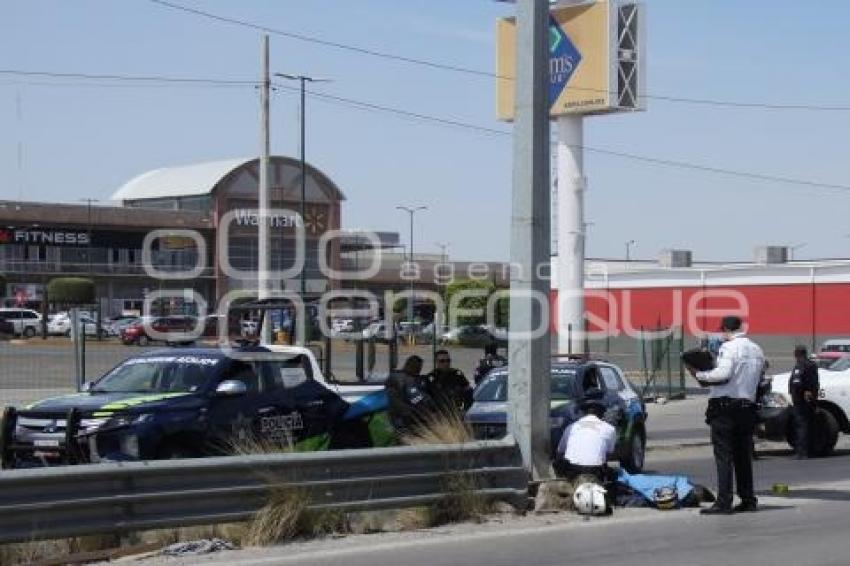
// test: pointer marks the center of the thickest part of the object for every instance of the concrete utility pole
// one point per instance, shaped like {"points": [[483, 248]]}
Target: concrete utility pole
{"points": [[529, 359], [264, 228]]}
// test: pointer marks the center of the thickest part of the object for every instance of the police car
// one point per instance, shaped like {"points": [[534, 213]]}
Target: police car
{"points": [[570, 378], [193, 402], [776, 418]]}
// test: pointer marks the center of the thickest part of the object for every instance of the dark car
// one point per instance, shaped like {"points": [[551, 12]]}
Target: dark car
{"points": [[569, 380], [195, 402], [169, 329]]}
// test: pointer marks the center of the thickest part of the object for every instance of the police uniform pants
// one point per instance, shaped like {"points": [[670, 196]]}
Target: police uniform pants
{"points": [[804, 416], [732, 426]]}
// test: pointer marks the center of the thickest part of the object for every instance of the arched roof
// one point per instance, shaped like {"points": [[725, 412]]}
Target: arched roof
{"points": [[202, 178]]}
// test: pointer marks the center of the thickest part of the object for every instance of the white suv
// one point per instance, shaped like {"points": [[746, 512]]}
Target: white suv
{"points": [[25, 322]]}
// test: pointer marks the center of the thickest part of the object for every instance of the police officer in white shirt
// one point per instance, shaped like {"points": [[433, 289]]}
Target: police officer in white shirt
{"points": [[731, 415], [587, 443]]}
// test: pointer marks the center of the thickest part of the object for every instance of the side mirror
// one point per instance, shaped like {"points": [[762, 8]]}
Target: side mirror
{"points": [[231, 388], [87, 386]]}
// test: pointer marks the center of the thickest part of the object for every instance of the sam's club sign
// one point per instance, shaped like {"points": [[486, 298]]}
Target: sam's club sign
{"points": [[564, 58]]}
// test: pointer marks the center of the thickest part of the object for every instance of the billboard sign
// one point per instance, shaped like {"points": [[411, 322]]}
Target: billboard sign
{"points": [[595, 60]]}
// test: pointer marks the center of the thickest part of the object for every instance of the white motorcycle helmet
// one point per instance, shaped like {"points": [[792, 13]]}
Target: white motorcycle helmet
{"points": [[589, 499]]}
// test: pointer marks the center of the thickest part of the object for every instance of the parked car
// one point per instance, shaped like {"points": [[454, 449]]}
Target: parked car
{"points": [[25, 322], [831, 416], [378, 331], [474, 336], [147, 408], [60, 325], [119, 323], [177, 329], [569, 380]]}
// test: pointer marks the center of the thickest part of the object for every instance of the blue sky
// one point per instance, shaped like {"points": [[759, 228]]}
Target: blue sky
{"points": [[84, 140]]}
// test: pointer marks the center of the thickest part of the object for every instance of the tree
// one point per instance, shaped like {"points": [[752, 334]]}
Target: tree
{"points": [[71, 291], [478, 301]]}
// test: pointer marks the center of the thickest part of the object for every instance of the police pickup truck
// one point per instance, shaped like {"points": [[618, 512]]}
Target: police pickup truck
{"points": [[193, 402]]}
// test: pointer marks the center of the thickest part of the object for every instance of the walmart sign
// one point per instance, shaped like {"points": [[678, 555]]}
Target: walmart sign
{"points": [[564, 58]]}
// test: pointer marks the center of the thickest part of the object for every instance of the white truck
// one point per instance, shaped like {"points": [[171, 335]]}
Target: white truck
{"points": [[776, 413], [349, 392]]}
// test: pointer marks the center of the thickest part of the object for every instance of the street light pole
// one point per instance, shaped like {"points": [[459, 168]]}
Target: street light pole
{"points": [[411, 211], [629, 245], [302, 81]]}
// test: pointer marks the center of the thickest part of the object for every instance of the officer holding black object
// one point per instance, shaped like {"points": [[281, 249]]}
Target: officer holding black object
{"points": [[731, 415], [803, 386]]}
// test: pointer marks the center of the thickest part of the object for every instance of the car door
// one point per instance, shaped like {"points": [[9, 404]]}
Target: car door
{"points": [[235, 420], [305, 411]]}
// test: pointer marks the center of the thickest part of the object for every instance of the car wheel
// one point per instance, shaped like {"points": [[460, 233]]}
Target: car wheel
{"points": [[143, 340], [29, 332], [825, 433], [634, 459], [68, 333], [103, 334]]}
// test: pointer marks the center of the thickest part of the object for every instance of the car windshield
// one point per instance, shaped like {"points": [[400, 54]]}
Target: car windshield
{"points": [[840, 364], [494, 389], [158, 374], [836, 347]]}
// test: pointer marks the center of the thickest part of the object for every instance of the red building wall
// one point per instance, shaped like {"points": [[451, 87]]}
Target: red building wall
{"points": [[822, 308]]}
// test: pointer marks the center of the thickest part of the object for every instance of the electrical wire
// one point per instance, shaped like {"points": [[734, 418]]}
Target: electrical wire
{"points": [[488, 74], [437, 120], [601, 151]]}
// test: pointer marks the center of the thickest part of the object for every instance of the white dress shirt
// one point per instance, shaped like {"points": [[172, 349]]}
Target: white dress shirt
{"points": [[739, 365], [588, 441]]}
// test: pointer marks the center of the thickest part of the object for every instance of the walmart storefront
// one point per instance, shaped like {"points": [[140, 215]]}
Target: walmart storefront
{"points": [[207, 213]]}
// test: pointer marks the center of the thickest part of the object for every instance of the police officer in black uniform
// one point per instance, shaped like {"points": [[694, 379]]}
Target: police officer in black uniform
{"points": [[409, 404], [803, 386], [448, 387], [731, 415]]}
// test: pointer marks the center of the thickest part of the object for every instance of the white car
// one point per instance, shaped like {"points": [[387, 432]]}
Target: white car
{"points": [[59, 325], [776, 413], [25, 322]]}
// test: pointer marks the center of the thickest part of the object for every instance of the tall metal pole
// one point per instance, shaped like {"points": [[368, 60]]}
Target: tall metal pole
{"points": [[264, 228], [411, 210], [529, 358], [303, 81]]}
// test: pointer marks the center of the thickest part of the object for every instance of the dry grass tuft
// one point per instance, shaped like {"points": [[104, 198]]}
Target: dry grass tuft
{"points": [[280, 519], [286, 516], [460, 502], [448, 427]]}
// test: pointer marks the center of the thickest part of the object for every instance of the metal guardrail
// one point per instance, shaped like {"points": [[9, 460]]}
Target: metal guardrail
{"points": [[121, 497]]}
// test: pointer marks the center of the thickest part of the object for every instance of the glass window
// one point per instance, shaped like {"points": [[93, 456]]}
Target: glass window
{"points": [[288, 373], [611, 379], [241, 371]]}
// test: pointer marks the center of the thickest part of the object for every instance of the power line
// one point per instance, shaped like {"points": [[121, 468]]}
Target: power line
{"points": [[612, 153], [446, 122], [325, 42], [487, 74], [131, 78]]}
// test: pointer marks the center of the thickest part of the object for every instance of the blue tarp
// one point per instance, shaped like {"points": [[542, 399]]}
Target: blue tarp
{"points": [[646, 484]]}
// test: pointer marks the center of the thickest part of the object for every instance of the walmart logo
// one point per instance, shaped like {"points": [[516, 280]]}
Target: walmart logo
{"points": [[564, 58]]}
